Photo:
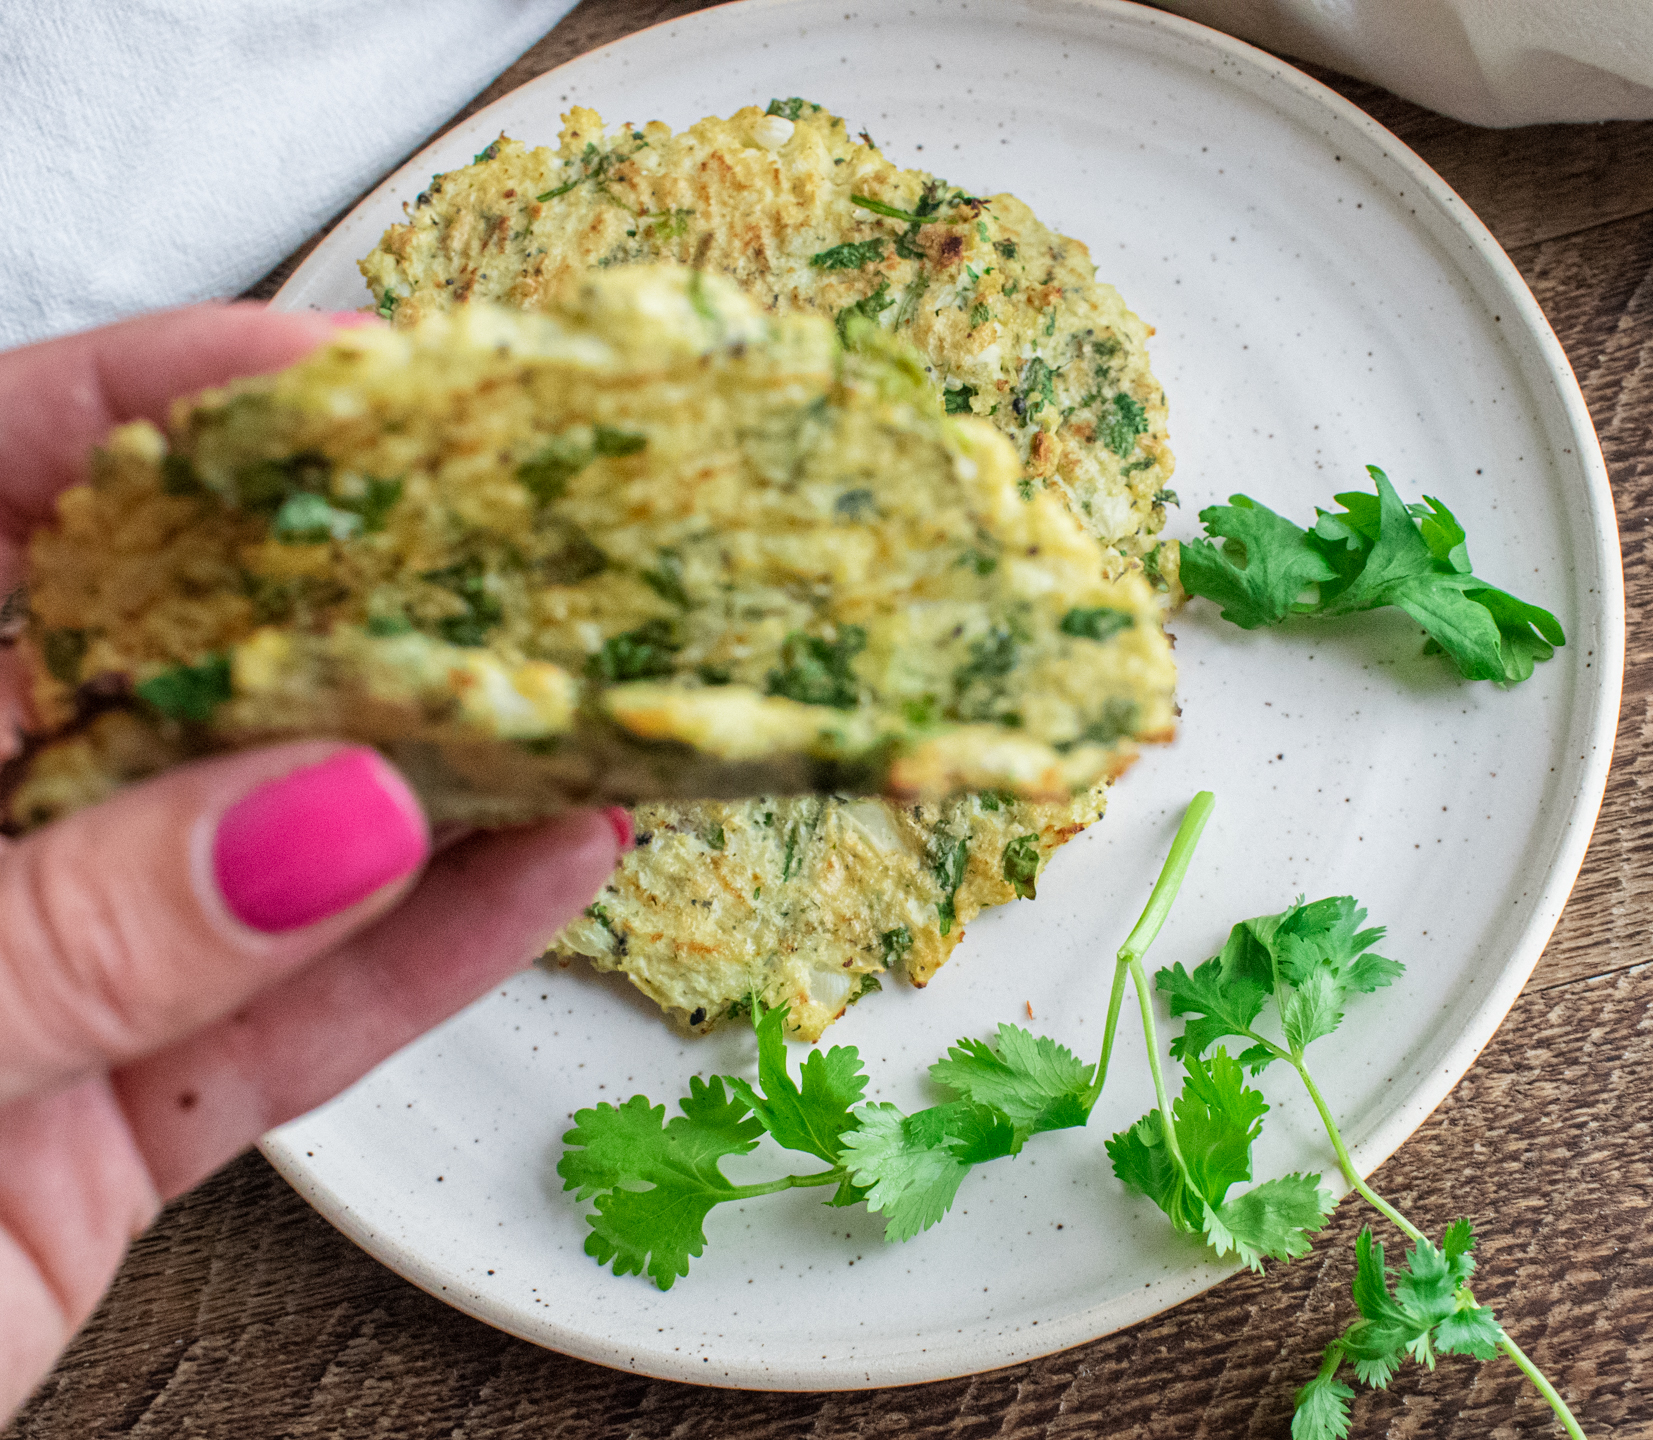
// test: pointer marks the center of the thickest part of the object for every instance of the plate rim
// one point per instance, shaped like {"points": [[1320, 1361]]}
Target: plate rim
{"points": [[1427, 1092]]}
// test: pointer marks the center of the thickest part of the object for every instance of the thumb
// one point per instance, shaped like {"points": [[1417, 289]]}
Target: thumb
{"points": [[134, 922]]}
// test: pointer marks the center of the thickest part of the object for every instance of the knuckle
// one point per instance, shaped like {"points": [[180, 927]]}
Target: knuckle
{"points": [[80, 955]]}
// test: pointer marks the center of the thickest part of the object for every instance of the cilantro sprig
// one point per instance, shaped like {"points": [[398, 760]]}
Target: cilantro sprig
{"points": [[1376, 551], [1280, 983], [653, 1181]]}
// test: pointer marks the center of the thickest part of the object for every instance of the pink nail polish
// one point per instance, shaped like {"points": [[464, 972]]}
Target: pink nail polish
{"points": [[313, 843], [624, 831]]}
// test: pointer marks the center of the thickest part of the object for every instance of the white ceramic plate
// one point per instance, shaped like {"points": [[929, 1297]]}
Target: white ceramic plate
{"points": [[1322, 300]]}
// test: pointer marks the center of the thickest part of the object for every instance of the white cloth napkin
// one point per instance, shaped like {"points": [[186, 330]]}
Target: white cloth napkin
{"points": [[1490, 62], [156, 153]]}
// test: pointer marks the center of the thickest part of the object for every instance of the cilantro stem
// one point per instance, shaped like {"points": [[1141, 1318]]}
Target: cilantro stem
{"points": [[1170, 878], [1541, 1384], [788, 1182], [1136, 946], [1148, 926], [1150, 1033], [1369, 1195], [1115, 999]]}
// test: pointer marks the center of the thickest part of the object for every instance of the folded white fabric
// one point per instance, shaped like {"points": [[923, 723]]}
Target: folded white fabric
{"points": [[1490, 62], [164, 152]]}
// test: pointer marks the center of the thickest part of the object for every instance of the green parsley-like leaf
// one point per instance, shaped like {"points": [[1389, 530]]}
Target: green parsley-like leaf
{"points": [[1264, 564], [1470, 1331], [1272, 1220], [864, 311], [1142, 1162], [641, 654], [666, 579], [1098, 622], [811, 1116], [613, 1149], [1021, 865], [879, 207], [373, 505], [189, 692], [1036, 390], [1217, 1118], [1310, 959], [1123, 424], [911, 1165], [606, 441], [1322, 1408], [1219, 1005], [851, 255], [894, 945], [1035, 1083], [1377, 551], [818, 671], [956, 399], [547, 473], [949, 859], [790, 109]]}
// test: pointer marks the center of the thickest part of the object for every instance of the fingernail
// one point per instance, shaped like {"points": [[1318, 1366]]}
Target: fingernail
{"points": [[314, 842], [353, 319], [624, 833]]}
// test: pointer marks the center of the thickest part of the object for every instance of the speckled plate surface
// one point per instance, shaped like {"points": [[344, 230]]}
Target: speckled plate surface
{"points": [[1322, 300]]}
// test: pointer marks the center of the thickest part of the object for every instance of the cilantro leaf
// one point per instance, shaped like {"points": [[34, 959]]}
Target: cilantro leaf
{"points": [[1101, 622], [1308, 960], [864, 311], [1021, 865], [1217, 1117], [1322, 1406], [790, 109], [1469, 1331], [1377, 551], [949, 860], [655, 1230], [189, 692], [851, 255], [1274, 1219], [1219, 1006], [817, 671], [1035, 1083], [640, 654], [912, 1165], [812, 1115], [1141, 1160], [1264, 564]]}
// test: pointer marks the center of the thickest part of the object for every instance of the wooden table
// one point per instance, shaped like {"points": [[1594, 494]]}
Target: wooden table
{"points": [[243, 1315]]}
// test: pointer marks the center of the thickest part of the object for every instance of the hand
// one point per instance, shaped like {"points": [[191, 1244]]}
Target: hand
{"points": [[224, 947]]}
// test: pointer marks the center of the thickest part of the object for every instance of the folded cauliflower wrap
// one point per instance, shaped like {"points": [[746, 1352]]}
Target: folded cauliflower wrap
{"points": [[651, 543]]}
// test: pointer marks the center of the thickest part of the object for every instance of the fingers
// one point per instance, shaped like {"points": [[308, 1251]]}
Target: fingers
{"points": [[132, 923], [73, 1193], [60, 398], [484, 909]]}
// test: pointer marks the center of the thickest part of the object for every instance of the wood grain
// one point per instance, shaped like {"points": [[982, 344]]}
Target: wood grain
{"points": [[242, 1314]]}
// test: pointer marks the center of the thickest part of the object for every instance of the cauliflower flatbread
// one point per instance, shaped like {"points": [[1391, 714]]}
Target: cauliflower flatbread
{"points": [[1012, 322], [1008, 315], [655, 543]]}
